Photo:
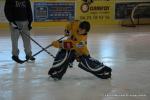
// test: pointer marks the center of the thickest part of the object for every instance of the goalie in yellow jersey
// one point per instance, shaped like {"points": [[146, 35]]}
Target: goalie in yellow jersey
{"points": [[75, 48]]}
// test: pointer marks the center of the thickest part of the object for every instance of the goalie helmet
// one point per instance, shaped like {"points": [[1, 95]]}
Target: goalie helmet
{"points": [[85, 25]]}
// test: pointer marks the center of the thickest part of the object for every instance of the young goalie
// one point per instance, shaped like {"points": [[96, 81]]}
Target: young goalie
{"points": [[75, 48]]}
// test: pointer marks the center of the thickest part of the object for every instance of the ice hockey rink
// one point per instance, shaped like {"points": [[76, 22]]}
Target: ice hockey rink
{"points": [[126, 50]]}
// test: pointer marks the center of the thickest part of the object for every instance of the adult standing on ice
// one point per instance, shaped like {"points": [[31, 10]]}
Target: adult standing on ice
{"points": [[19, 15]]}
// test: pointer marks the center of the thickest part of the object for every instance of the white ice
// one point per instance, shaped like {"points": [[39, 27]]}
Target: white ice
{"points": [[125, 50]]}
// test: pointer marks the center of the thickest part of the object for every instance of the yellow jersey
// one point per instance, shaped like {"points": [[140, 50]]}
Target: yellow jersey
{"points": [[79, 41]]}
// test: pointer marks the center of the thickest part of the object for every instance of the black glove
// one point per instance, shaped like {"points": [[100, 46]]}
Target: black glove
{"points": [[29, 26]]}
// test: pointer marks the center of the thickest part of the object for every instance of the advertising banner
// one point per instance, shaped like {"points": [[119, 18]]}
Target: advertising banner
{"points": [[54, 11], [99, 12], [96, 11]]}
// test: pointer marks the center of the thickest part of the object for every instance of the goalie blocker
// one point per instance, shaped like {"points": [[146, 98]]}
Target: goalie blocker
{"points": [[65, 57]]}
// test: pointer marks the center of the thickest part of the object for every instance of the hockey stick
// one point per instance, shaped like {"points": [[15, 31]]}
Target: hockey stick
{"points": [[36, 43], [47, 47], [43, 49]]}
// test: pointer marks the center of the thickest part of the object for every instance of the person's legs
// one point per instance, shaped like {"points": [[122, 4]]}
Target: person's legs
{"points": [[23, 27], [14, 39]]}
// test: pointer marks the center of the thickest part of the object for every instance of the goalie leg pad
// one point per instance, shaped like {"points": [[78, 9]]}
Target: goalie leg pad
{"points": [[95, 67], [61, 63]]}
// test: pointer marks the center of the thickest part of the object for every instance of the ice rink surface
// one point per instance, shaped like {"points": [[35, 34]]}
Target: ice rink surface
{"points": [[125, 50]]}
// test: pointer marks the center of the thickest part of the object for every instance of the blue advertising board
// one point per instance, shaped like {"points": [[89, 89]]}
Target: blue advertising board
{"points": [[54, 11]]}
